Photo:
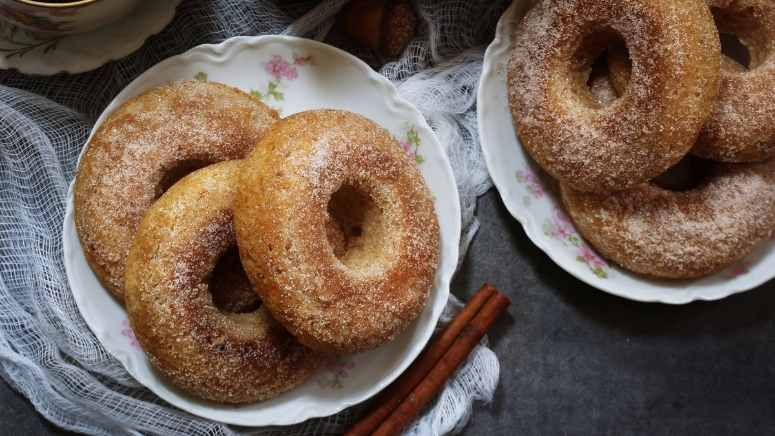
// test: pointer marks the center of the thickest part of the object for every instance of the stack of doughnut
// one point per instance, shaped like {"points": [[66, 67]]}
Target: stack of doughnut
{"points": [[247, 248], [665, 100]]}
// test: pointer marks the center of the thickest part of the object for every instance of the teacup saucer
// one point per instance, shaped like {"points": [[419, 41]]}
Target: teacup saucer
{"points": [[31, 53]]}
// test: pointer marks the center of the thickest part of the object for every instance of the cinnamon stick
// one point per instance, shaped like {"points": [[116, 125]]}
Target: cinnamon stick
{"points": [[387, 401], [424, 392]]}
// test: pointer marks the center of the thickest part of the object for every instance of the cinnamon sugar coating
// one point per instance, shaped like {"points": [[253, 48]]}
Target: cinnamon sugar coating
{"points": [[685, 234], [140, 150], [218, 356], [325, 165], [741, 127], [619, 67], [676, 56]]}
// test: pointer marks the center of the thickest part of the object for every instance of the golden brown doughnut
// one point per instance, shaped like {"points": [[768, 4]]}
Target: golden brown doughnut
{"points": [[214, 355], [606, 86], [619, 67], [675, 51], [681, 234], [741, 127], [142, 148], [325, 165]]}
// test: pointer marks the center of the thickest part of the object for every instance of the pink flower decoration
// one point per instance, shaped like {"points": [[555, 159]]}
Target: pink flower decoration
{"points": [[407, 148], [279, 68], [563, 228], [129, 333], [590, 257], [562, 219], [531, 181], [561, 233]]}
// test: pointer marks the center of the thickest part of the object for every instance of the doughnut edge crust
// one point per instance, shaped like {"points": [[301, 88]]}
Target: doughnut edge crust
{"points": [[741, 127], [680, 235], [138, 144], [280, 216], [222, 357], [676, 58]]}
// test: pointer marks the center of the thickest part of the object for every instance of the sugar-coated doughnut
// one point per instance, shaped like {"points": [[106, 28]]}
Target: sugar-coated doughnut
{"points": [[619, 67], [322, 166], [224, 357], [741, 127], [142, 148], [681, 234], [592, 147]]}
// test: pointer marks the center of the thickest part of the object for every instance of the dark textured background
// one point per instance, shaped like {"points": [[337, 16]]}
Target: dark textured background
{"points": [[577, 361]]}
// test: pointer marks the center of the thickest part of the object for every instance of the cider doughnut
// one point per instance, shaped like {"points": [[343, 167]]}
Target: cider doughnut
{"points": [[319, 166], [218, 356], [741, 127], [142, 148], [675, 52], [681, 234], [619, 67]]}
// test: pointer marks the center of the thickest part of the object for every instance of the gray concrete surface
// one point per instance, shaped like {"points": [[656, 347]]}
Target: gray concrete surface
{"points": [[577, 361]]}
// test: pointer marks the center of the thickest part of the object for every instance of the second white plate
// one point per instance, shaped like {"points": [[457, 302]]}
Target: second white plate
{"points": [[530, 197]]}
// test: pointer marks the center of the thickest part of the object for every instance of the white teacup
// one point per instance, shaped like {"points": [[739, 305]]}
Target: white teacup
{"points": [[62, 18]]}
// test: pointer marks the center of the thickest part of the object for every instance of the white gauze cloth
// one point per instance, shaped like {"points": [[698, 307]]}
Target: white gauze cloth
{"points": [[48, 353]]}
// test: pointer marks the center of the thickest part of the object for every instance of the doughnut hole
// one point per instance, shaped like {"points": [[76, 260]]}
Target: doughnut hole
{"points": [[180, 169], [356, 229], [689, 173], [229, 285], [743, 36], [589, 66], [601, 83], [735, 50]]}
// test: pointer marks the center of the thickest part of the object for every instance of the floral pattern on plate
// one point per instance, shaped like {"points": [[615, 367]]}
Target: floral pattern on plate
{"points": [[280, 71], [411, 145], [560, 227], [335, 371], [17, 42], [126, 330]]}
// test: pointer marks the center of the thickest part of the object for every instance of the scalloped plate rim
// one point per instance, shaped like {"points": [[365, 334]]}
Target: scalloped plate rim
{"points": [[395, 103], [528, 221]]}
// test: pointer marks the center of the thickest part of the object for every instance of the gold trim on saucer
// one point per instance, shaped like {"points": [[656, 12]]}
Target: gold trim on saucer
{"points": [[49, 5]]}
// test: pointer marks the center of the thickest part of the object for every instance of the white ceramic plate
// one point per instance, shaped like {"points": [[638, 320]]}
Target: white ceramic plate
{"points": [[292, 75], [34, 54], [531, 198]]}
